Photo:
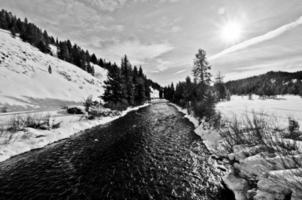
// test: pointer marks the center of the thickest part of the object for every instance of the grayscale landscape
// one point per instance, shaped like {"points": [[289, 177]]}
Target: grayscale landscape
{"points": [[150, 99]]}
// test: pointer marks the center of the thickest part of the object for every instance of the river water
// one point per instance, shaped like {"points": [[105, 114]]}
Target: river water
{"points": [[148, 154]]}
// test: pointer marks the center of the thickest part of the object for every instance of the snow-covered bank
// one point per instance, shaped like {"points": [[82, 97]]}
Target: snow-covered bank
{"points": [[29, 139], [268, 169], [210, 137]]}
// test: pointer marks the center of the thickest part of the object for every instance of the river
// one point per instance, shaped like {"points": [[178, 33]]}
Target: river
{"points": [[151, 153]]}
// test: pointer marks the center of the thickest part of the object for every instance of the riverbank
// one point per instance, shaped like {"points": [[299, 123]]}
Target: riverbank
{"points": [[147, 154], [266, 170], [22, 141]]}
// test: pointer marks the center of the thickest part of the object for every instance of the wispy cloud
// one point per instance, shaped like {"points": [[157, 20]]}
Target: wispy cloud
{"points": [[112, 5], [105, 5], [181, 71], [138, 52], [267, 36]]}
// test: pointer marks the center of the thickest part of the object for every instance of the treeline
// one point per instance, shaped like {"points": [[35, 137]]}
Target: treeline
{"points": [[198, 96], [269, 84], [126, 86], [39, 38]]}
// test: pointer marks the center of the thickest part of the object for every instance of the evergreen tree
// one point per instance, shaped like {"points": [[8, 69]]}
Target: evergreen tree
{"points": [[128, 85], [220, 87], [93, 59], [13, 32], [201, 68], [113, 95], [141, 94], [49, 69]]}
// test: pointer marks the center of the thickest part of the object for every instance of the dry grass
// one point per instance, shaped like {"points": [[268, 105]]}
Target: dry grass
{"points": [[42, 122], [258, 129]]}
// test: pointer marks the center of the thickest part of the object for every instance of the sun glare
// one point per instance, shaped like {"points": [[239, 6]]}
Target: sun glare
{"points": [[231, 32]]}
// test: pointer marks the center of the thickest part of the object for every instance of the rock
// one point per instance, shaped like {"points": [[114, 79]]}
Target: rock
{"points": [[231, 156], [76, 110], [44, 127], [242, 151], [238, 148], [238, 185], [271, 190], [251, 193]]}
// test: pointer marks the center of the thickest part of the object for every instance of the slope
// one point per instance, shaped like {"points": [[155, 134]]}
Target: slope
{"points": [[26, 83]]}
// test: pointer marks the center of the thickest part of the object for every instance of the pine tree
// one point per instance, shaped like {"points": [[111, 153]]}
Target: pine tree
{"points": [[126, 82], [220, 87], [49, 69], [13, 32], [141, 98], [93, 59], [113, 91], [201, 68]]}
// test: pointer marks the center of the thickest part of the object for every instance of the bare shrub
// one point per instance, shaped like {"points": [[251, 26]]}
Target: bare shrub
{"points": [[4, 109], [5, 135], [249, 131], [293, 129], [88, 102], [278, 149], [43, 122], [17, 123]]}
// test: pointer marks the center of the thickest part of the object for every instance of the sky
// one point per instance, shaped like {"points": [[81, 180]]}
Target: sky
{"points": [[164, 35]]}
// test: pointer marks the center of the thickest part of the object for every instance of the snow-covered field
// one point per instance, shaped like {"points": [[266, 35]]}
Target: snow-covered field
{"points": [[280, 108], [25, 82]]}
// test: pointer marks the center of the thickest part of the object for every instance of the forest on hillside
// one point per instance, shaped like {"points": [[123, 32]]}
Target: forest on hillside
{"points": [[39, 38], [269, 84], [126, 85]]}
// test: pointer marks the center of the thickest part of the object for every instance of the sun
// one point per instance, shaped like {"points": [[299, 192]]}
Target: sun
{"points": [[231, 32]]}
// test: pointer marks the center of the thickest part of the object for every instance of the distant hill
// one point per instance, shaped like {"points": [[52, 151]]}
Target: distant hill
{"points": [[271, 83]]}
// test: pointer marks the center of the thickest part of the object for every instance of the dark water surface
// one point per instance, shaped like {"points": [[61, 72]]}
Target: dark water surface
{"points": [[149, 154]]}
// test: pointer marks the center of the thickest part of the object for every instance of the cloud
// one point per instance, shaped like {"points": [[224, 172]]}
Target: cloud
{"points": [[175, 29], [105, 5], [181, 71], [138, 52], [267, 36], [112, 5]]}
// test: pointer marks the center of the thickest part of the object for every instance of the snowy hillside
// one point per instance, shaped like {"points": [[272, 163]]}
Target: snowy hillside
{"points": [[26, 82]]}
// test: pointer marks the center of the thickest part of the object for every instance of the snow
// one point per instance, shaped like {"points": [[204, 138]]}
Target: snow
{"points": [[24, 76], [25, 81], [281, 173], [53, 50], [29, 139], [191, 118], [280, 108], [154, 93], [210, 138]]}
